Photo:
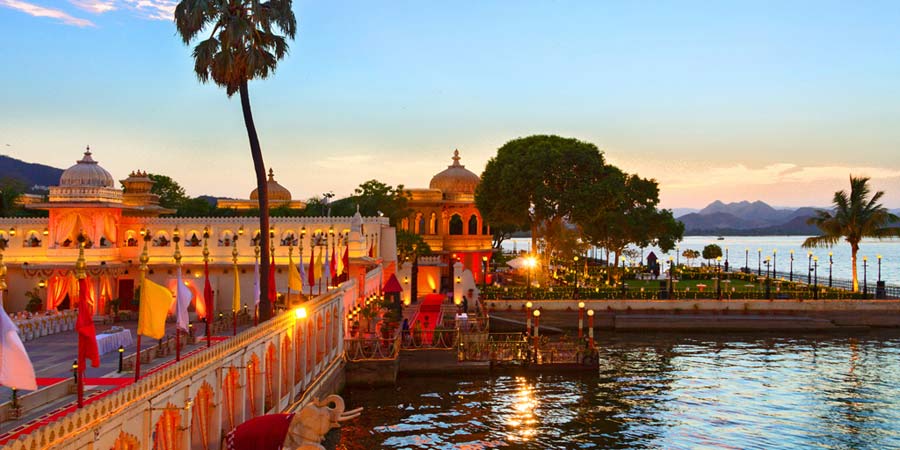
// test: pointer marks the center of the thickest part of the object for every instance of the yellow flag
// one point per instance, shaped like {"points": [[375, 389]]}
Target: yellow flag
{"points": [[295, 281], [319, 268], [155, 303], [236, 297]]}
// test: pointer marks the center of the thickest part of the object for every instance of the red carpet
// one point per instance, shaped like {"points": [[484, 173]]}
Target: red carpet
{"points": [[429, 315]]}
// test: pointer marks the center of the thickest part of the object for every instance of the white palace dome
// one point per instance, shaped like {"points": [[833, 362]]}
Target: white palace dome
{"points": [[86, 172]]}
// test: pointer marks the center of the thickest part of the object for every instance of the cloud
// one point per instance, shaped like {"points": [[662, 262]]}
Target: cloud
{"points": [[154, 9], [95, 6], [778, 173], [40, 11]]}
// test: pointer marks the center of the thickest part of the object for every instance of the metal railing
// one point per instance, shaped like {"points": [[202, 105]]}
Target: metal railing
{"points": [[369, 349], [438, 339]]}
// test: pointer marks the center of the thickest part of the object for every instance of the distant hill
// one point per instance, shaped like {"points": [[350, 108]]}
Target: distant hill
{"points": [[35, 176], [748, 218]]}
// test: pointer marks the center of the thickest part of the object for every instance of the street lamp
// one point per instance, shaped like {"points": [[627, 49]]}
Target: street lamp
{"points": [[677, 256], [759, 263], [791, 275], [746, 259], [484, 260], [865, 282], [537, 331], [622, 258], [726, 257], [816, 277], [575, 273], [879, 268], [809, 268], [718, 277], [530, 262], [830, 264], [590, 314], [768, 261], [774, 263], [580, 320], [528, 306], [669, 290]]}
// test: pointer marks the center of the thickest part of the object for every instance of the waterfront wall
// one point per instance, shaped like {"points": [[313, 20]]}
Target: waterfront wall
{"points": [[190, 405]]}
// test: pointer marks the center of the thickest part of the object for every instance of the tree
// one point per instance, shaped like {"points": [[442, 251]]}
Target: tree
{"points": [[410, 246], [538, 179], [171, 194], [244, 44], [378, 199], [855, 216], [711, 251], [196, 207], [690, 255], [630, 215], [10, 191]]}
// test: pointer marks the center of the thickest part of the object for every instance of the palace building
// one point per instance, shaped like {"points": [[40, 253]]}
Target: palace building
{"points": [[278, 196], [446, 217], [87, 207]]}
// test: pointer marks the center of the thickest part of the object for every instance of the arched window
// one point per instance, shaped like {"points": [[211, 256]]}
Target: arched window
{"points": [[420, 224], [433, 224], [404, 224], [456, 225], [473, 225]]}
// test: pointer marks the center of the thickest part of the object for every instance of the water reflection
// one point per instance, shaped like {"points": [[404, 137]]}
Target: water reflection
{"points": [[667, 391]]}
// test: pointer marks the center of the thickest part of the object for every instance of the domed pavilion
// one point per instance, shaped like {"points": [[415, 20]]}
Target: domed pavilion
{"points": [[278, 196]]}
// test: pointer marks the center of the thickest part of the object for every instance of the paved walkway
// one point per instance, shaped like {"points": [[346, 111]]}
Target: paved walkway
{"points": [[53, 355]]}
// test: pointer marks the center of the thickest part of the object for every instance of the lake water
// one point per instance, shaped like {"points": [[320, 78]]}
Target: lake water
{"points": [[663, 391], [782, 245]]}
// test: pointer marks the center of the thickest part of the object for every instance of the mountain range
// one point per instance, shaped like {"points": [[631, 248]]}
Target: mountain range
{"points": [[748, 218], [36, 177]]}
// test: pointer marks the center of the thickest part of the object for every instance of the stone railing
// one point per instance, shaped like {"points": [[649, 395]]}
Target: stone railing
{"points": [[291, 355]]}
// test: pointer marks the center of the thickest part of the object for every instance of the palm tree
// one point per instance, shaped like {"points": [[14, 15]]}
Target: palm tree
{"points": [[855, 216], [244, 44]]}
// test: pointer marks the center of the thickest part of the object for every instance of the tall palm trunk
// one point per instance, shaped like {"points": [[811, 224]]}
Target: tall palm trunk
{"points": [[854, 247], [265, 305]]}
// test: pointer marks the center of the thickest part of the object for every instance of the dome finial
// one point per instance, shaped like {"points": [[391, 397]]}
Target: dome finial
{"points": [[271, 174], [456, 157], [87, 151]]}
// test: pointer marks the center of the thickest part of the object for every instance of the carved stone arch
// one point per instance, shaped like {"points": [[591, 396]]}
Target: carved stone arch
{"points": [[433, 223], [320, 337], [230, 396], [455, 226], [298, 354], [167, 430], [473, 225], [226, 238], [285, 366], [253, 385], [418, 225], [126, 441], [202, 413], [270, 371]]}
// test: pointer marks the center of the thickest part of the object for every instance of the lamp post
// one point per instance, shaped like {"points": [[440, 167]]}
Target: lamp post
{"points": [[623, 275], [590, 314], [484, 261], [528, 307], [830, 264], [575, 273], [121, 357], [809, 268], [816, 278], [791, 274], [726, 257], [768, 261], [580, 320], [759, 263], [677, 256], [747, 259], [669, 290], [718, 277], [879, 268], [529, 263], [537, 332], [865, 279]]}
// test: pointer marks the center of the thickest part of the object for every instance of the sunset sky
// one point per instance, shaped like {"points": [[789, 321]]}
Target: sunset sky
{"points": [[778, 101]]}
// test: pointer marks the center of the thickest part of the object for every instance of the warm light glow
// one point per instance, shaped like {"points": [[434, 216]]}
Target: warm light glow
{"points": [[530, 262], [590, 312], [581, 305], [537, 313], [300, 313], [529, 305]]}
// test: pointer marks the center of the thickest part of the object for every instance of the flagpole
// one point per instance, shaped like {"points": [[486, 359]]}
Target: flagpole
{"points": [[272, 276], [176, 237], [209, 309], [144, 259], [235, 308], [256, 294], [290, 267]]}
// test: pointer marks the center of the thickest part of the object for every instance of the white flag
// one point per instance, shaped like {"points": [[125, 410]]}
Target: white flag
{"points": [[327, 270], [183, 299], [256, 283], [16, 370]]}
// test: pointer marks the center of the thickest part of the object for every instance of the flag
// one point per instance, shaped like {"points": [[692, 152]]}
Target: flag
{"points": [[326, 269], [333, 272], [236, 296], [154, 306], [318, 268], [256, 282], [208, 300], [311, 274], [371, 250], [302, 270], [273, 292], [87, 335], [346, 260], [295, 280], [339, 267], [182, 301], [16, 370]]}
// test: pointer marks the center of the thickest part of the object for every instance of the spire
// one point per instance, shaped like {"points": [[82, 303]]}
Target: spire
{"points": [[455, 158], [271, 174], [86, 159]]}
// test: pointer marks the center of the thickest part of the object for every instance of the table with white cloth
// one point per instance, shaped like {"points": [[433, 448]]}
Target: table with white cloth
{"points": [[109, 342]]}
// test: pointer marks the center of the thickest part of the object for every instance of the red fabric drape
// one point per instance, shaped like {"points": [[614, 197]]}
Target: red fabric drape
{"points": [[333, 269], [57, 288], [311, 271], [87, 335]]}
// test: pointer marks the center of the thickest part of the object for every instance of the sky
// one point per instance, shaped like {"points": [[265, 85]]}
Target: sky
{"points": [[776, 101]]}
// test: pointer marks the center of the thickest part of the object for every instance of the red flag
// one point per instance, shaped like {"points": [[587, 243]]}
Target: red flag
{"points": [[371, 250], [311, 272], [333, 269], [87, 335], [345, 275], [208, 294]]}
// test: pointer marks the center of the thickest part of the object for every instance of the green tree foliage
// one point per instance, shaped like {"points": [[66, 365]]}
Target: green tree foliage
{"points": [[690, 255], [376, 199], [411, 245], [535, 180], [10, 191], [171, 194], [711, 251], [855, 216], [244, 44], [196, 207]]}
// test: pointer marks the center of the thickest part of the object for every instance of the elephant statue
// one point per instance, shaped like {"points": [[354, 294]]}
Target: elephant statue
{"points": [[303, 430]]}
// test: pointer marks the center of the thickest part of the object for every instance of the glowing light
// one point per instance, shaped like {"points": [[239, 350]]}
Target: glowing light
{"points": [[300, 313]]}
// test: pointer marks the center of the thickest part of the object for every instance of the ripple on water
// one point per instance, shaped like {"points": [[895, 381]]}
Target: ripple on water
{"points": [[656, 392]]}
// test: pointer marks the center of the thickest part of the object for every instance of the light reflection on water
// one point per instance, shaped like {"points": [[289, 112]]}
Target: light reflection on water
{"points": [[665, 391]]}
